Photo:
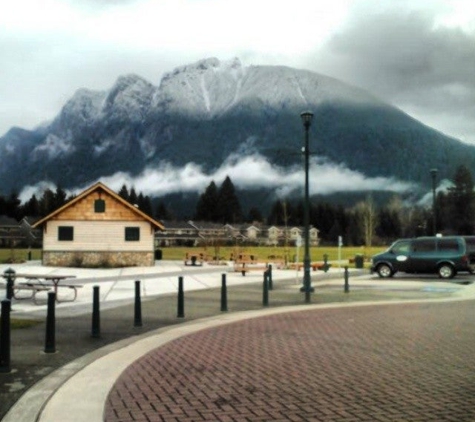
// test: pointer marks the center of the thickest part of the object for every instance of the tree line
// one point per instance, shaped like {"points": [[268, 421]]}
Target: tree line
{"points": [[453, 212]]}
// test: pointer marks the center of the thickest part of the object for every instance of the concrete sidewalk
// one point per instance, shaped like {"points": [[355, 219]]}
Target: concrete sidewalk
{"points": [[117, 284], [78, 390]]}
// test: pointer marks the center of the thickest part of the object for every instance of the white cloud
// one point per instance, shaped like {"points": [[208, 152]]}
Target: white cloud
{"points": [[250, 172], [50, 48], [442, 186]]}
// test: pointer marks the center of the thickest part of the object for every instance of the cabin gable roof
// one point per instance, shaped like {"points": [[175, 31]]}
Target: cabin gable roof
{"points": [[82, 208]]}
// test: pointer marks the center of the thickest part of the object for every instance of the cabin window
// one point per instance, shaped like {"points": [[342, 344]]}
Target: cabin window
{"points": [[132, 234], [66, 233], [99, 205]]}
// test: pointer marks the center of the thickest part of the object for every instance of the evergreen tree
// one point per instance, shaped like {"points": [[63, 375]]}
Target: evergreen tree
{"points": [[124, 192], [298, 215], [59, 197], [340, 224], [229, 208], [442, 209], [145, 204], [276, 214], [31, 207], [206, 208], [354, 232], [47, 202], [162, 213], [133, 197], [418, 222], [13, 205], [322, 216], [462, 202], [3, 206], [389, 224], [254, 215]]}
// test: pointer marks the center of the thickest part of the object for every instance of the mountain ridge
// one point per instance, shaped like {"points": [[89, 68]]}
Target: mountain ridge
{"points": [[205, 112]]}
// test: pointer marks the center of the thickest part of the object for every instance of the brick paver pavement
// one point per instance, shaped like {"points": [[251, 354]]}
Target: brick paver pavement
{"points": [[411, 362]]}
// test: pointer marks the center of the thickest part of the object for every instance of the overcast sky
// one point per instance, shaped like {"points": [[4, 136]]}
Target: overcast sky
{"points": [[418, 55]]}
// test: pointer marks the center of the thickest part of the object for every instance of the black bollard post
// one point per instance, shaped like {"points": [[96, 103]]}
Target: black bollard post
{"points": [[325, 263], [50, 341], [265, 290], [96, 317], [347, 286], [10, 275], [181, 299], [138, 306], [5, 346], [269, 277], [224, 294]]}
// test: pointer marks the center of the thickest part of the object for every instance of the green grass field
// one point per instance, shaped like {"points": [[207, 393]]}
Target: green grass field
{"points": [[264, 252], [18, 255], [225, 252]]}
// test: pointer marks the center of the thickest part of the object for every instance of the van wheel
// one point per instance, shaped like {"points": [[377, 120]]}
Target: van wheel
{"points": [[446, 271], [384, 271]]}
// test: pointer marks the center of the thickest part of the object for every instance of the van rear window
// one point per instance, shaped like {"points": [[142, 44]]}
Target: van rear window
{"points": [[448, 245]]}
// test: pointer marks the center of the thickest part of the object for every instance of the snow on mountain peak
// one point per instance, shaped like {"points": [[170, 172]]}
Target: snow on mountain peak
{"points": [[202, 89], [84, 104], [210, 87], [129, 98], [211, 63]]}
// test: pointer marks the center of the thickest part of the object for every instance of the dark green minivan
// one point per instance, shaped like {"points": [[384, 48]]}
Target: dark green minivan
{"points": [[444, 256]]}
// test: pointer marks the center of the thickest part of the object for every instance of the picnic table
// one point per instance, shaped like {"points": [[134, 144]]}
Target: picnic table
{"points": [[44, 282]]}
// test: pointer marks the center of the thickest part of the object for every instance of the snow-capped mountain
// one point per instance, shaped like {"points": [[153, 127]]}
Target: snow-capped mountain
{"points": [[205, 112]]}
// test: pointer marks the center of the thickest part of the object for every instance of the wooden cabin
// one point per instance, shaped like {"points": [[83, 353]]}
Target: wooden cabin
{"points": [[98, 228]]}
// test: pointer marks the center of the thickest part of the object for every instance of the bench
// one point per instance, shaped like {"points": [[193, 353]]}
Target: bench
{"points": [[74, 287], [314, 266], [194, 259], [40, 286], [244, 267], [33, 288]]}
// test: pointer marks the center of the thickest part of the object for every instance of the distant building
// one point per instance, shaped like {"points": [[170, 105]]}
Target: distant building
{"points": [[192, 233], [98, 228], [10, 233], [31, 237]]}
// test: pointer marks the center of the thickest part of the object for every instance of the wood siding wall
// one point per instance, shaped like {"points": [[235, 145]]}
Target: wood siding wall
{"points": [[98, 236], [84, 210]]}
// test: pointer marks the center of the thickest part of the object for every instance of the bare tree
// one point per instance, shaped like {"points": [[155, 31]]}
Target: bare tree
{"points": [[366, 217]]}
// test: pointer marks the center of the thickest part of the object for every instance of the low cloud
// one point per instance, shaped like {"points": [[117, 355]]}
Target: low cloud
{"points": [[408, 57], [443, 186], [249, 172], [254, 172]]}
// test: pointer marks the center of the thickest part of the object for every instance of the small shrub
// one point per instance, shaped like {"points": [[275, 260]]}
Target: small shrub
{"points": [[77, 260]]}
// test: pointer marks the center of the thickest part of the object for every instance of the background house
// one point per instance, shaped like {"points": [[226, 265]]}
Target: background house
{"points": [[192, 233], [18, 234], [177, 233], [10, 233], [98, 228]]}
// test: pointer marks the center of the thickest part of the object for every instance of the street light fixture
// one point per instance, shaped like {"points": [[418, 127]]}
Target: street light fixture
{"points": [[433, 173], [307, 284]]}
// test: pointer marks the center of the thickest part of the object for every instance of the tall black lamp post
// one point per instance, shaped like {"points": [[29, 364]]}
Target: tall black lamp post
{"points": [[433, 173], [307, 284]]}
